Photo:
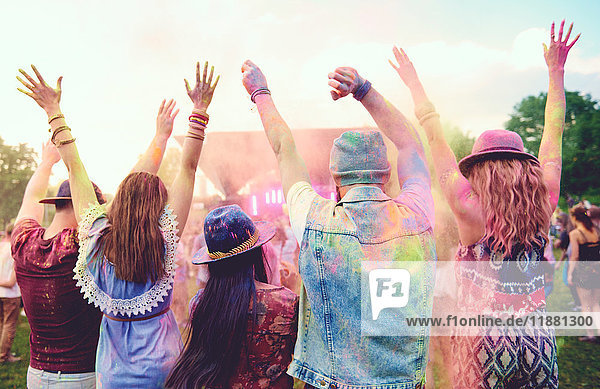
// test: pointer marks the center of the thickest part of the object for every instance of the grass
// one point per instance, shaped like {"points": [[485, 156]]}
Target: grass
{"points": [[578, 362], [14, 375]]}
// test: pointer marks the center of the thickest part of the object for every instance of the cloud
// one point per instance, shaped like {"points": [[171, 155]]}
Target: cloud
{"points": [[588, 66], [120, 61]]}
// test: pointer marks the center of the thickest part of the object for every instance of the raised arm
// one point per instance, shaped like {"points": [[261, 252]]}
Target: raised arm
{"points": [[574, 257], [150, 161], [291, 166], [550, 154], [456, 187], [38, 185], [182, 190], [411, 155], [82, 191]]}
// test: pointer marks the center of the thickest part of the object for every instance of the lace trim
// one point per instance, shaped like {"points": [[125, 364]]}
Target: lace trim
{"points": [[137, 305]]}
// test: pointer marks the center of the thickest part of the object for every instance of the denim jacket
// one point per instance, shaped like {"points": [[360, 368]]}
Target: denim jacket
{"points": [[366, 225]]}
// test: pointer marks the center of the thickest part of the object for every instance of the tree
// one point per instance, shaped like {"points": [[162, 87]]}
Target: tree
{"points": [[581, 139], [17, 164], [461, 143]]}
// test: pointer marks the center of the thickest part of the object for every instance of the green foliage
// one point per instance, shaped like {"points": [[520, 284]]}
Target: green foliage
{"points": [[460, 142], [581, 139], [17, 164]]}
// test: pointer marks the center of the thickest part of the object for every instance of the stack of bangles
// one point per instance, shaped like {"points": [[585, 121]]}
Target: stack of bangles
{"points": [[57, 130], [198, 123], [425, 112], [259, 91]]}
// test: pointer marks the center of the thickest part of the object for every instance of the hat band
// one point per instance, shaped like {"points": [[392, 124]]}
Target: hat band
{"points": [[236, 250], [499, 148]]}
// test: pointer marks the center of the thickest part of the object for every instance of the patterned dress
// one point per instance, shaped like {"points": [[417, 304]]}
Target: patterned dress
{"points": [[490, 283], [139, 338]]}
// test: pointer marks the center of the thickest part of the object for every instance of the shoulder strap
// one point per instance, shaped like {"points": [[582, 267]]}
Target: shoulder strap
{"points": [[597, 232], [583, 235]]}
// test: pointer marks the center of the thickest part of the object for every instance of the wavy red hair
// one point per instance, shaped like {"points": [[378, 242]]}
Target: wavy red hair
{"points": [[515, 202]]}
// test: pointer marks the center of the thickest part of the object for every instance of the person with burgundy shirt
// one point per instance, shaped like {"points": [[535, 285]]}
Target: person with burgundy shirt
{"points": [[64, 327]]}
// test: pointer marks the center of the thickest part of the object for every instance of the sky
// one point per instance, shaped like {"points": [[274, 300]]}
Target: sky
{"points": [[476, 59]]}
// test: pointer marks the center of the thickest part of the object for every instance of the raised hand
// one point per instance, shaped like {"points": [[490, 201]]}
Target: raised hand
{"points": [[252, 77], [46, 97], [50, 153], [344, 80], [550, 152], [404, 68], [556, 54], [203, 91], [288, 274], [165, 118]]}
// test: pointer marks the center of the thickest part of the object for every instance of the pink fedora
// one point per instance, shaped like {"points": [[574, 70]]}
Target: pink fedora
{"points": [[495, 144]]}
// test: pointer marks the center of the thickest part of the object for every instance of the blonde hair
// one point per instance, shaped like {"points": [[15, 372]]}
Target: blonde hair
{"points": [[515, 202]]}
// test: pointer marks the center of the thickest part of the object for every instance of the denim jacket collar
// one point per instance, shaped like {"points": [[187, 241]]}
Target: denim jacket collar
{"points": [[364, 193]]}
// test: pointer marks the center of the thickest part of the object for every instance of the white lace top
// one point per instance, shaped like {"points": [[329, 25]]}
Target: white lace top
{"points": [[96, 275]]}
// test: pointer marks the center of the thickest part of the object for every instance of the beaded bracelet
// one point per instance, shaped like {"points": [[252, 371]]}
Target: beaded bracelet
{"points": [[428, 116], [259, 91], [198, 120], [200, 116], [57, 116], [57, 131], [424, 109], [196, 131], [194, 119], [197, 126], [362, 91], [64, 142], [204, 118], [199, 130], [200, 113], [195, 136]]}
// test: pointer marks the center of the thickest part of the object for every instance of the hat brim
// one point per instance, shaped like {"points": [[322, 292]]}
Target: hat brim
{"points": [[53, 200], [467, 162], [266, 231]]}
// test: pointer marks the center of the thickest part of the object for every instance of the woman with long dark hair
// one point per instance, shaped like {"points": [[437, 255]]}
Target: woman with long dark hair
{"points": [[126, 255], [242, 330], [502, 199], [584, 272]]}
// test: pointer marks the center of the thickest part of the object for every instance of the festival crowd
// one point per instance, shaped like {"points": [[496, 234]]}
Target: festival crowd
{"points": [[102, 284]]}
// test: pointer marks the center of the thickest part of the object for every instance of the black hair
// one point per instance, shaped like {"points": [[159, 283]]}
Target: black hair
{"points": [[218, 323], [62, 205], [580, 214]]}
